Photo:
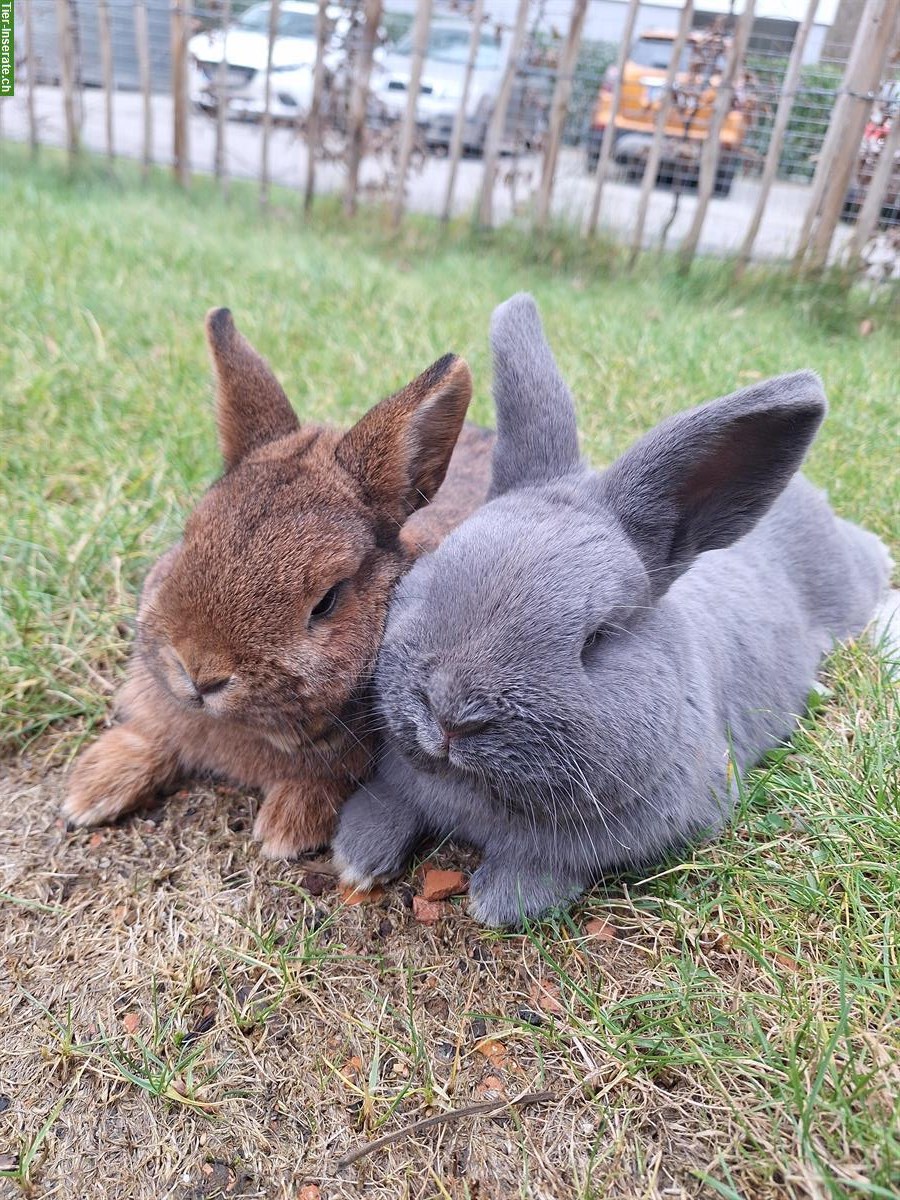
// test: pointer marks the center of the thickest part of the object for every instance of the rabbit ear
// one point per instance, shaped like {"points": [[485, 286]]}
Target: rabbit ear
{"points": [[251, 408], [537, 438], [703, 478], [399, 451]]}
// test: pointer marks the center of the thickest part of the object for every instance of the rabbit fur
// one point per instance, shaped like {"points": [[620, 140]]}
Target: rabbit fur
{"points": [[257, 633], [572, 677]]}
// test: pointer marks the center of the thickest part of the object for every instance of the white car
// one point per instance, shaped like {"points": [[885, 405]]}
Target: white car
{"points": [[441, 88], [244, 47]]}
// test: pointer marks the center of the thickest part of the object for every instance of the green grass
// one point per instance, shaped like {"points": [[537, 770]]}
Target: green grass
{"points": [[759, 1011]]}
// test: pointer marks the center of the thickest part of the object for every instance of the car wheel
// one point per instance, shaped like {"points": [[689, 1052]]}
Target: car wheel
{"points": [[851, 206], [592, 151], [725, 173]]}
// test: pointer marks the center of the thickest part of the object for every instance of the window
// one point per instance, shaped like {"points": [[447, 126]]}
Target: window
{"points": [[290, 24], [656, 53], [450, 44]]}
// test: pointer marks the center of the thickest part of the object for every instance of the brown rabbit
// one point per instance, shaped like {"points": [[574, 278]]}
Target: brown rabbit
{"points": [[257, 633]]}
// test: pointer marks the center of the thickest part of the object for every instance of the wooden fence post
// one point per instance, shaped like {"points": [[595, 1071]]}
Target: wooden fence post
{"points": [[67, 74], [459, 122], [31, 64], [779, 129], [878, 186], [861, 89], [181, 166], [858, 65], [497, 124], [421, 27], [609, 134], [709, 154], [559, 110], [359, 96], [142, 42], [274, 12], [109, 80], [651, 170], [314, 119], [220, 161]]}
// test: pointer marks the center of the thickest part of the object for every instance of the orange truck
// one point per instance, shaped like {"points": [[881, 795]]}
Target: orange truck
{"points": [[687, 127]]}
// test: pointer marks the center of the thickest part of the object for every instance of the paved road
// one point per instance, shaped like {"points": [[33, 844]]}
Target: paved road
{"points": [[723, 231]]}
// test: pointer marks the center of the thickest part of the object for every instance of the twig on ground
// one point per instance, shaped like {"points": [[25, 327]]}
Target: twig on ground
{"points": [[455, 1114]]}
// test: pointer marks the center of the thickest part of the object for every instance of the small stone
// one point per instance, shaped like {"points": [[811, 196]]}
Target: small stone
{"points": [[491, 1088], [309, 1191], [478, 1029], [5, 1103], [131, 1022], [427, 912], [529, 1016], [315, 883], [441, 885]]}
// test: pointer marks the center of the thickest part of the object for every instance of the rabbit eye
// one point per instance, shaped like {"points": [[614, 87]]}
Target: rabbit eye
{"points": [[593, 638], [326, 605]]}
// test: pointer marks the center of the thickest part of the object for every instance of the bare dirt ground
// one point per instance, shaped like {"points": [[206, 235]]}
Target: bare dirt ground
{"points": [[182, 1019]]}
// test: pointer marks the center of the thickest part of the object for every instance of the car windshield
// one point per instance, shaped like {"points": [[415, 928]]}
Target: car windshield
{"points": [[290, 24], [657, 53], [450, 44]]}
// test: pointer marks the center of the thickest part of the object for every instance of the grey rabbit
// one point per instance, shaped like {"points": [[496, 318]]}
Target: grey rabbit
{"points": [[569, 678]]}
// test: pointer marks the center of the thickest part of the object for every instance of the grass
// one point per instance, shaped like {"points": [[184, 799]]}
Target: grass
{"points": [[182, 1019]]}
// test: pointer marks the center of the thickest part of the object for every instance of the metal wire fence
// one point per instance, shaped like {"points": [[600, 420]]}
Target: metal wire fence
{"points": [[736, 135]]}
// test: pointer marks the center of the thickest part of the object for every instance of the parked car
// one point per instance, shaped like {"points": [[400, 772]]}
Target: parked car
{"points": [[441, 89], [870, 153], [88, 60], [244, 47], [688, 123]]}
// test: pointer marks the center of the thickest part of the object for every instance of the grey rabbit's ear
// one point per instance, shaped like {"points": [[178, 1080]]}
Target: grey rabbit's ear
{"points": [[537, 439], [703, 478]]}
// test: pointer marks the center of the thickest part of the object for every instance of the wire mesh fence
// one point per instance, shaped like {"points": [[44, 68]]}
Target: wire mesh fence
{"points": [[733, 134]]}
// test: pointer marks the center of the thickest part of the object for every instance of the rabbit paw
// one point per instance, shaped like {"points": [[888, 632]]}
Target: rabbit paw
{"points": [[121, 771], [507, 894], [375, 839], [296, 818]]}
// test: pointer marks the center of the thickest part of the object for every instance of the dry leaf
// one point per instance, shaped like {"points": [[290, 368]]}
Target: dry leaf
{"points": [[131, 1021], [601, 928], [493, 1050], [441, 885], [785, 960], [546, 997], [427, 912], [309, 1191], [353, 1066], [351, 896]]}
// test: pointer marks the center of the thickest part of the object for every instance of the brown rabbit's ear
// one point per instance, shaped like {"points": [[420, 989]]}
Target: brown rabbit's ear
{"points": [[399, 451], [251, 408]]}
